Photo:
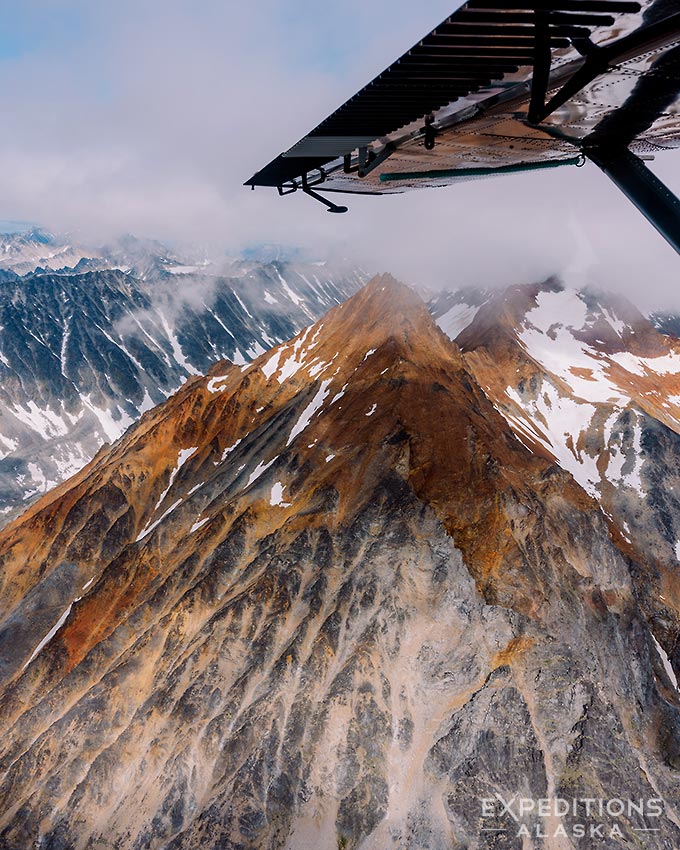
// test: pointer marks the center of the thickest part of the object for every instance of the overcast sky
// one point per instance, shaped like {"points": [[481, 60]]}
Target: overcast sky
{"points": [[146, 116]]}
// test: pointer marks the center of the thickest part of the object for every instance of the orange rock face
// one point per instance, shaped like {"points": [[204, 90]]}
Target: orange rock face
{"points": [[585, 380], [327, 599]]}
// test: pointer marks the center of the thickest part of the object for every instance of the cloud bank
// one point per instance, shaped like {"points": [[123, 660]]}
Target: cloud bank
{"points": [[147, 117]]}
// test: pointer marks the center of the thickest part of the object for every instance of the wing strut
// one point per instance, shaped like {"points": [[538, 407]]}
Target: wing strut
{"points": [[542, 60], [652, 197], [502, 86]]}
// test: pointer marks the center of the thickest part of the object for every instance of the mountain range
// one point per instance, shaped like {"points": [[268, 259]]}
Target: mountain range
{"points": [[343, 594], [85, 350]]}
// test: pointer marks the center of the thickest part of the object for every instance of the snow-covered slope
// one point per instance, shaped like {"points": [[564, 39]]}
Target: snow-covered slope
{"points": [[82, 355], [584, 379], [584, 365], [454, 309]]}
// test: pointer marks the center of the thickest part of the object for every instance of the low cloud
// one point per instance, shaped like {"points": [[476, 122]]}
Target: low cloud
{"points": [[147, 117]]}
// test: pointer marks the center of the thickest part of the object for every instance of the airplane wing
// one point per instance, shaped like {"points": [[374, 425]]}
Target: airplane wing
{"points": [[503, 86]]}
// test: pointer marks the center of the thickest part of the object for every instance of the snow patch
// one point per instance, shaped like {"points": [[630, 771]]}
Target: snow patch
{"points": [[255, 350], [111, 427], [455, 320], [276, 497], [289, 292], [564, 308], [243, 306], [38, 477], [557, 422], [259, 469], [177, 352], [292, 364], [229, 449], [321, 367], [339, 395], [309, 411], [666, 364], [149, 528], [272, 364], [665, 660], [213, 382], [147, 403], [44, 422], [52, 632], [182, 457]]}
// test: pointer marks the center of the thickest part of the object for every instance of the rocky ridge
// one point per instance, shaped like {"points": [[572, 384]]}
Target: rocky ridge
{"points": [[326, 598], [584, 379]]}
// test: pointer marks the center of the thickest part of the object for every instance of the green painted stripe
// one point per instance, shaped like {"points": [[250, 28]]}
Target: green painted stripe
{"points": [[392, 177]]}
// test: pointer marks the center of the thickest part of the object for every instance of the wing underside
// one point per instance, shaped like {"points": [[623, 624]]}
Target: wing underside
{"points": [[501, 86]]}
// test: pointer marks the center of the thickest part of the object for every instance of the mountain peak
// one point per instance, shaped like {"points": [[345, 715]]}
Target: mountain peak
{"points": [[308, 596], [386, 297], [386, 311], [606, 321], [387, 283]]}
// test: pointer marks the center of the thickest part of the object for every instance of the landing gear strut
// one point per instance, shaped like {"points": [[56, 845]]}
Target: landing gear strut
{"points": [[308, 190], [333, 208]]}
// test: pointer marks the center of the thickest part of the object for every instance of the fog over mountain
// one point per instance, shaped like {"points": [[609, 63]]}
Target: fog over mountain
{"points": [[92, 337], [152, 115]]}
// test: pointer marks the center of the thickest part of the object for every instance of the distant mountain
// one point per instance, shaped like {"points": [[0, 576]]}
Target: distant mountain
{"points": [[27, 250], [34, 249], [83, 353], [666, 323], [454, 309], [267, 253], [332, 599], [585, 380]]}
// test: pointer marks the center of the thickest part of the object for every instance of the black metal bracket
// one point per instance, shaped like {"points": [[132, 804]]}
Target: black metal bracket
{"points": [[368, 159], [347, 166], [652, 197], [375, 159], [305, 183], [366, 156], [430, 133]]}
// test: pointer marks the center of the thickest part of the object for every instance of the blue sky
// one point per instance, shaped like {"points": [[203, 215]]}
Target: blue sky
{"points": [[37, 28], [146, 116]]}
